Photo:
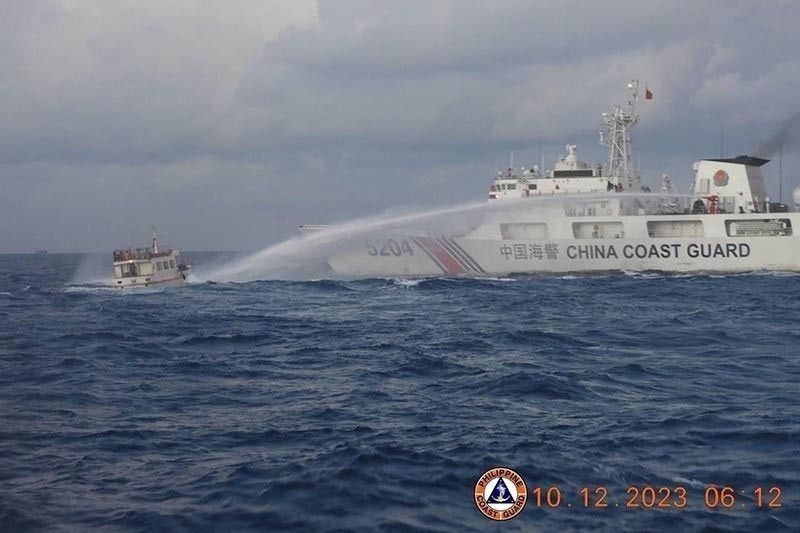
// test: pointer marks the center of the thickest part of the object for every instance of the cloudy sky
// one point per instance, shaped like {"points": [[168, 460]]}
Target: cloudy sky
{"points": [[229, 123]]}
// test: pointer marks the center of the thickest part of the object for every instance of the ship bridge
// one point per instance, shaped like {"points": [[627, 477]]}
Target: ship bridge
{"points": [[568, 176], [733, 185]]}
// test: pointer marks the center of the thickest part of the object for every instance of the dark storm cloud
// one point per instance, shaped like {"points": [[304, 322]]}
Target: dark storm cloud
{"points": [[232, 123]]}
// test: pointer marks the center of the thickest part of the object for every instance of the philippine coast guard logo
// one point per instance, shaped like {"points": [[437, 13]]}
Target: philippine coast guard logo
{"points": [[500, 494], [720, 178]]}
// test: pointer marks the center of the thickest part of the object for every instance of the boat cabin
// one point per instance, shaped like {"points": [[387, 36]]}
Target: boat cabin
{"points": [[149, 266]]}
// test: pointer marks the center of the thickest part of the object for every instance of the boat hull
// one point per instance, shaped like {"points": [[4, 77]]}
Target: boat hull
{"points": [[446, 256], [140, 282]]}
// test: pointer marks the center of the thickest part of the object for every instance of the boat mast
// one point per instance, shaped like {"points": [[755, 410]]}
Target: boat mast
{"points": [[617, 137], [155, 240], [780, 173]]}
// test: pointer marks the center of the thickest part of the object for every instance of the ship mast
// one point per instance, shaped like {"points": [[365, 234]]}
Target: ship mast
{"points": [[617, 137], [155, 240]]}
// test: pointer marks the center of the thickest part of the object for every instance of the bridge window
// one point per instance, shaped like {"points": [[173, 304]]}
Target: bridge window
{"points": [[577, 173]]}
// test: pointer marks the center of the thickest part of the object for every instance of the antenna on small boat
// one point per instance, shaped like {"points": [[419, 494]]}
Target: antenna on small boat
{"points": [[155, 239], [780, 173]]}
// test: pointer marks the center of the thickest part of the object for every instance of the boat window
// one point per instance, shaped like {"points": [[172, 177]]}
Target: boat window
{"points": [[512, 186], [598, 230], [172, 263], [763, 227], [675, 228], [524, 231], [532, 186], [128, 270], [158, 266]]}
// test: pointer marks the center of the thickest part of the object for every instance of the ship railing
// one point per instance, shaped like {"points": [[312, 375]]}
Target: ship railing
{"points": [[652, 204], [680, 205], [139, 254]]}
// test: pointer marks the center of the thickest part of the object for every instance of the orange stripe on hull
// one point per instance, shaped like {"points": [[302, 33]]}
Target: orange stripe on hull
{"points": [[450, 263]]}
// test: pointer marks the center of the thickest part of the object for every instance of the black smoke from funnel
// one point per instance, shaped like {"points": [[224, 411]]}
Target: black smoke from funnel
{"points": [[787, 135]]}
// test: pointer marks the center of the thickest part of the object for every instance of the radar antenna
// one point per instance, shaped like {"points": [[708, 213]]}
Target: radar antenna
{"points": [[617, 137]]}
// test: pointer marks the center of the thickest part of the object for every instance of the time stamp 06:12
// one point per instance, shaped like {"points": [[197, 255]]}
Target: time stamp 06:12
{"points": [[652, 497]]}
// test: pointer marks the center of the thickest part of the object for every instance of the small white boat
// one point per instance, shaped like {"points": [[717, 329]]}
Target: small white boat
{"points": [[151, 266]]}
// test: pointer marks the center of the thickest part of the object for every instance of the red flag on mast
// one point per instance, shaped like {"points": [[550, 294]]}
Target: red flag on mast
{"points": [[648, 94]]}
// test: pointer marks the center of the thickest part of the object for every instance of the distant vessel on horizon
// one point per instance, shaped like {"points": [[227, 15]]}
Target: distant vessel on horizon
{"points": [[40, 252], [150, 266], [605, 220]]}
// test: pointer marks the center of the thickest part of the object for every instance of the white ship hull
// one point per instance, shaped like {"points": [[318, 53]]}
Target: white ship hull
{"points": [[472, 256], [585, 218]]}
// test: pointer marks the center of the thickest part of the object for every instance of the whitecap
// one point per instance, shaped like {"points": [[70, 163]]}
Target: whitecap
{"points": [[407, 282]]}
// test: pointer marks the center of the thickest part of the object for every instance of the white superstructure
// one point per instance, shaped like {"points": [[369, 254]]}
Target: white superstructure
{"points": [[603, 220], [151, 266]]}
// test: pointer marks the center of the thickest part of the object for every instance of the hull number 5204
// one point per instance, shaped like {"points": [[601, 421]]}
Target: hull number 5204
{"points": [[389, 247]]}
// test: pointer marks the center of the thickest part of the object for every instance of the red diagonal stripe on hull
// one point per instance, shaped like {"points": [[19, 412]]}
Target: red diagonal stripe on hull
{"points": [[449, 262]]}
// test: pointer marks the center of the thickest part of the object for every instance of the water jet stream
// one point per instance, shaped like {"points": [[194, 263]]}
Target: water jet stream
{"points": [[304, 256]]}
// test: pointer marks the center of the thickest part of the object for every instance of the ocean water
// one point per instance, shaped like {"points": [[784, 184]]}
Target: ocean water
{"points": [[375, 405]]}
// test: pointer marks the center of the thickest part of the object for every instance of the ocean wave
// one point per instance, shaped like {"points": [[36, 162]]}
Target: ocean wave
{"points": [[377, 404]]}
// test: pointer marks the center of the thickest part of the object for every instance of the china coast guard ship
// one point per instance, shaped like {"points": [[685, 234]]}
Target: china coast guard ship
{"points": [[151, 266], [604, 219]]}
